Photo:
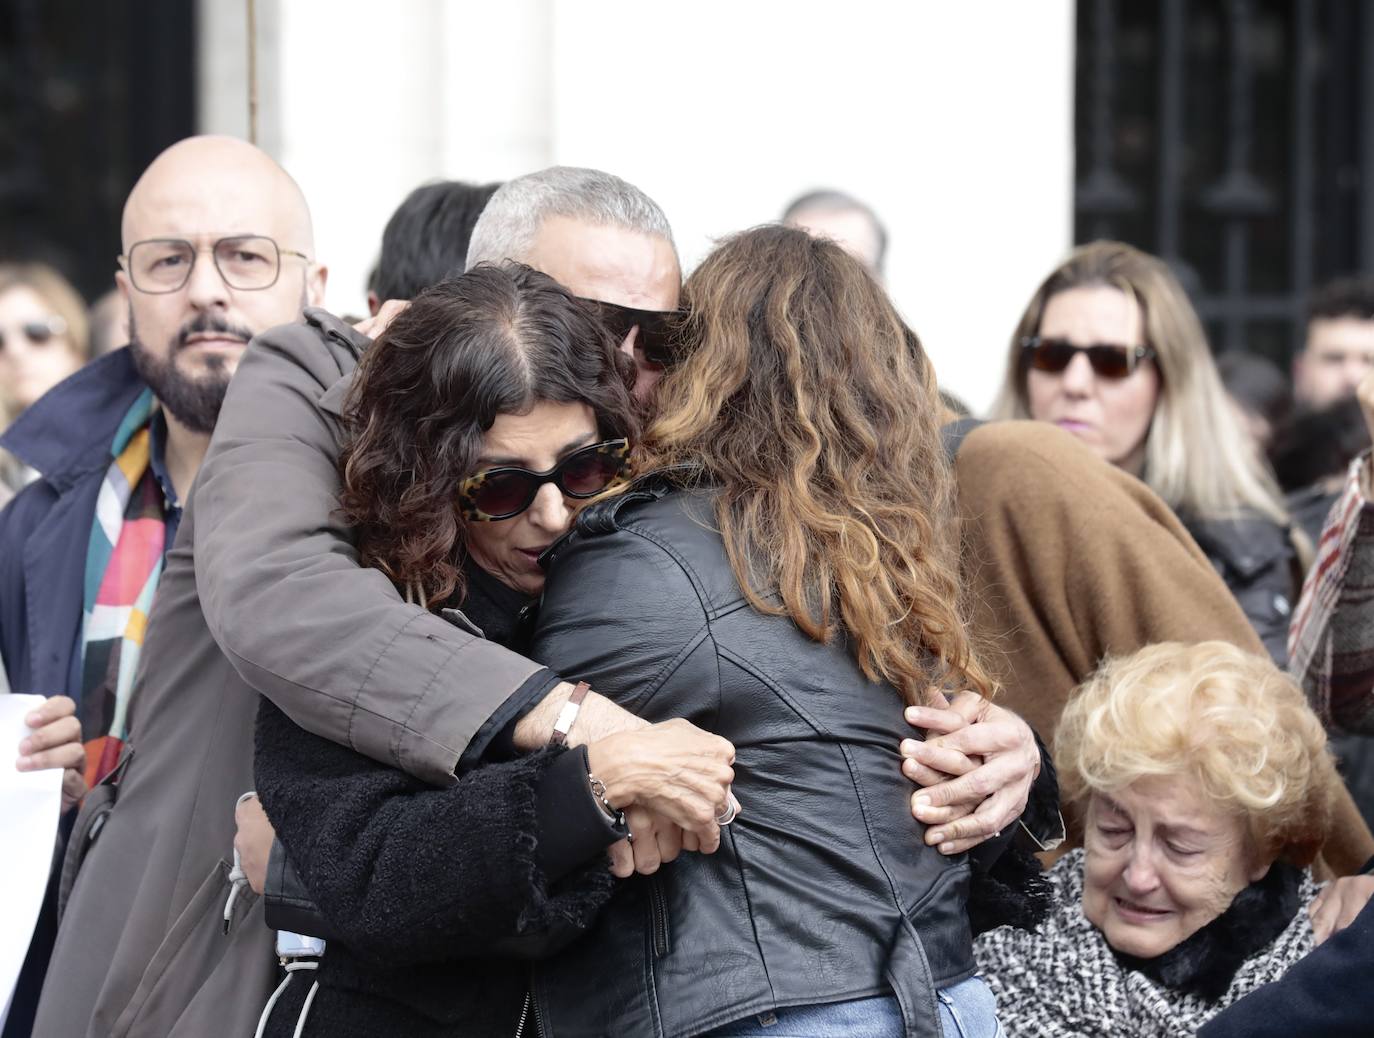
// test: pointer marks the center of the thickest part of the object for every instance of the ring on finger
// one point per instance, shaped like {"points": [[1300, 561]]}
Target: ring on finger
{"points": [[731, 809]]}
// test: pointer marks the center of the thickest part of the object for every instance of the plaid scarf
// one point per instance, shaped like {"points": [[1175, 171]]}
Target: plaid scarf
{"points": [[123, 564], [1330, 645]]}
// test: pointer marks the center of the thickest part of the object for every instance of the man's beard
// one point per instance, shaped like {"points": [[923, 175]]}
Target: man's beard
{"points": [[194, 402]]}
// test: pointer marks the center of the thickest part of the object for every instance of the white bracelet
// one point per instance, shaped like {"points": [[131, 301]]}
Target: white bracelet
{"points": [[568, 714]]}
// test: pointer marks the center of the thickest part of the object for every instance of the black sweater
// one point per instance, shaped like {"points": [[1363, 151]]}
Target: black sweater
{"points": [[433, 896]]}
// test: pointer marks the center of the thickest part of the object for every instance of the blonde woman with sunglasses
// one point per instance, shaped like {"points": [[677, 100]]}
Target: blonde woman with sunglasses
{"points": [[1111, 350]]}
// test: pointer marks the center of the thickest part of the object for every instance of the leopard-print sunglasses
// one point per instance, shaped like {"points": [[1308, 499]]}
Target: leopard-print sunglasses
{"points": [[503, 493]]}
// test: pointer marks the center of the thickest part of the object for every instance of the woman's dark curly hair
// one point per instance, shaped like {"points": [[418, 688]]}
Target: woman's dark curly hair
{"points": [[495, 340]]}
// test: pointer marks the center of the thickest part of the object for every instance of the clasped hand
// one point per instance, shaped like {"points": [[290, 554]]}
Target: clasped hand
{"points": [[975, 766], [672, 780]]}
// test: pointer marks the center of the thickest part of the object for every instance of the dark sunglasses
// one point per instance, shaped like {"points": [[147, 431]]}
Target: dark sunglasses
{"points": [[1055, 355], [39, 332], [503, 493], [660, 331]]}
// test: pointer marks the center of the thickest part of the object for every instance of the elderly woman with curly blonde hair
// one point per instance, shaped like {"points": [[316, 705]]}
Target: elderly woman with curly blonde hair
{"points": [[1207, 786]]}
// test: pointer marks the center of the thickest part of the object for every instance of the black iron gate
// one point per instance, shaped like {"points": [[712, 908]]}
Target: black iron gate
{"points": [[89, 94], [1232, 138]]}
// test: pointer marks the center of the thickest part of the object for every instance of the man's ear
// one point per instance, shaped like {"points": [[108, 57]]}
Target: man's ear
{"points": [[122, 283], [316, 279]]}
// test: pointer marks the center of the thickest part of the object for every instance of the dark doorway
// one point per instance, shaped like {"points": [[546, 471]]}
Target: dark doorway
{"points": [[1231, 137], [89, 94]]}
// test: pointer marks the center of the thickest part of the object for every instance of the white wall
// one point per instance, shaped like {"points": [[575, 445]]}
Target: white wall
{"points": [[954, 121]]}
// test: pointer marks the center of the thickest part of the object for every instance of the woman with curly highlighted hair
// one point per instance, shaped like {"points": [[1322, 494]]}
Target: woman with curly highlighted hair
{"points": [[1208, 791], [783, 574]]}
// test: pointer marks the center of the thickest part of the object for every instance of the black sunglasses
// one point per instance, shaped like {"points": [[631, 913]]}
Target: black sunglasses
{"points": [[1108, 361], [660, 331], [505, 492], [39, 332]]}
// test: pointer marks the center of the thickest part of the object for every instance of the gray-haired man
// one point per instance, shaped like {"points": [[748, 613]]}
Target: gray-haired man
{"points": [[595, 234]]}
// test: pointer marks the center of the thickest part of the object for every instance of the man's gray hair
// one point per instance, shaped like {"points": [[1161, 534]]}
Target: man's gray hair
{"points": [[509, 224]]}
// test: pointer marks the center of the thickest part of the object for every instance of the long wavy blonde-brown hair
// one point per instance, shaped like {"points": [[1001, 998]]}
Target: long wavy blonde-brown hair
{"points": [[814, 410]]}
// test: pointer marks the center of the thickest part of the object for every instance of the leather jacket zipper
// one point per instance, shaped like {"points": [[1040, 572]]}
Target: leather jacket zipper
{"points": [[658, 913], [530, 1009], [538, 1019]]}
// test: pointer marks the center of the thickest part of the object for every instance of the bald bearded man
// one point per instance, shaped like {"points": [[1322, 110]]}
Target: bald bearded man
{"points": [[217, 246]]}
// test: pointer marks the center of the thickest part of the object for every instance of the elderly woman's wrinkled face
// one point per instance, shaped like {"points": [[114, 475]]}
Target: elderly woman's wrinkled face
{"points": [[1161, 863], [1110, 415], [35, 353], [509, 549]]}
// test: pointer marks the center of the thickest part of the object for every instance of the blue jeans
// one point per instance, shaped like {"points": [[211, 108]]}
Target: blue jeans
{"points": [[967, 1010]]}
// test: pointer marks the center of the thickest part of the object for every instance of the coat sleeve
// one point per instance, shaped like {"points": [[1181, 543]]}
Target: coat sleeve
{"points": [[405, 872], [1069, 560], [1327, 993], [327, 640]]}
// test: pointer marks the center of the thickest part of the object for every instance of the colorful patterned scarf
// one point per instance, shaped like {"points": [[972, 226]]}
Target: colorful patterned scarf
{"points": [[123, 565]]}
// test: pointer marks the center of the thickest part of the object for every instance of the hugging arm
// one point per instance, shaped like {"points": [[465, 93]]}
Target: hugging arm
{"points": [[285, 596]]}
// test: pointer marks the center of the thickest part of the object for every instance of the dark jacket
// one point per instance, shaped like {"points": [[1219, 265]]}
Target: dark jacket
{"points": [[1326, 993], [822, 889], [1256, 558], [45, 530], [44, 533]]}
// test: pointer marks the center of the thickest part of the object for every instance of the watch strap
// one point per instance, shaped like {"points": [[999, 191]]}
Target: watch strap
{"points": [[568, 715]]}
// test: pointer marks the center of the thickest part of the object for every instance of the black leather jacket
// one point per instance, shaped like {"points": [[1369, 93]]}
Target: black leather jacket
{"points": [[823, 889], [1256, 558]]}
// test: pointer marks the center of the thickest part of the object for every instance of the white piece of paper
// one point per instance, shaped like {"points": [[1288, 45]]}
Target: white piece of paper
{"points": [[30, 806]]}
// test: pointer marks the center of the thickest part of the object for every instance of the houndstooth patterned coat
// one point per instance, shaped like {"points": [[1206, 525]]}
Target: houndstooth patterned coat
{"points": [[1062, 980]]}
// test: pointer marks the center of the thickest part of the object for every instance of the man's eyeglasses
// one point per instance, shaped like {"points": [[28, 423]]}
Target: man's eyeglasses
{"points": [[247, 263], [660, 331], [1108, 361], [505, 492], [40, 332]]}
